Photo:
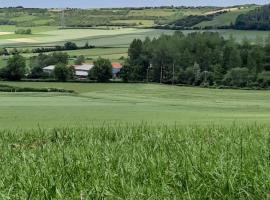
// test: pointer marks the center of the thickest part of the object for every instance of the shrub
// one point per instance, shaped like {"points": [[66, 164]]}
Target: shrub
{"points": [[61, 72], [102, 70], [23, 31]]}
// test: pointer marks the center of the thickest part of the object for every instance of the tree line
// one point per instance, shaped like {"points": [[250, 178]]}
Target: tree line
{"points": [[199, 59], [257, 19], [66, 47]]}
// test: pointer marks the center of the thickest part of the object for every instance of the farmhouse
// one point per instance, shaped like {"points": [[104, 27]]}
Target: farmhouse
{"points": [[116, 68]]}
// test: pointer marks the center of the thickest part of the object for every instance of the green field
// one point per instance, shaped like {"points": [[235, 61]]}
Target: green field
{"points": [[134, 141], [129, 103], [226, 19], [136, 162], [110, 38], [128, 141]]}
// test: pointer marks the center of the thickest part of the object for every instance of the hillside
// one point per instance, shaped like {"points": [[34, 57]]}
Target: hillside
{"points": [[183, 17], [227, 18], [258, 19]]}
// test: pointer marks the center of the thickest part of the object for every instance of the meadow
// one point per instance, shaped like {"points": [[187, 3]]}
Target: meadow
{"points": [[130, 141], [93, 104], [134, 141]]}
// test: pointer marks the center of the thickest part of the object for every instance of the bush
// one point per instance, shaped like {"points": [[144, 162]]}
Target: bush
{"points": [[61, 72], [239, 77], [80, 60], [24, 31], [263, 79], [15, 69], [102, 70]]}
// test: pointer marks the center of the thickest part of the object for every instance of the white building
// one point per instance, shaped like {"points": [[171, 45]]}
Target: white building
{"points": [[49, 69], [82, 71]]}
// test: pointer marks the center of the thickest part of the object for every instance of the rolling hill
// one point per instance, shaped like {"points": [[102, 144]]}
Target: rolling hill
{"points": [[125, 17], [258, 19]]}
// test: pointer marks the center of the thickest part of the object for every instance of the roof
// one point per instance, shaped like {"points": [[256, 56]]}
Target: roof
{"points": [[83, 67], [81, 73], [50, 67], [116, 65]]}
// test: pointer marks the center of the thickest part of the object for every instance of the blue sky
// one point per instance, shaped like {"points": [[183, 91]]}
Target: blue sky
{"points": [[122, 3]]}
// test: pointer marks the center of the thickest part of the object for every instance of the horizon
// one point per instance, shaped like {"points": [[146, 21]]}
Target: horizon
{"points": [[123, 3]]}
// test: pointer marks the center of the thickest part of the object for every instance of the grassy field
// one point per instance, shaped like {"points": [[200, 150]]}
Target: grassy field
{"points": [[226, 18], [109, 38], [136, 162], [128, 103], [134, 141]]}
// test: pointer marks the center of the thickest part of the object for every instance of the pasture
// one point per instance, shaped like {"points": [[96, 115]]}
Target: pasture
{"points": [[134, 141], [94, 104]]}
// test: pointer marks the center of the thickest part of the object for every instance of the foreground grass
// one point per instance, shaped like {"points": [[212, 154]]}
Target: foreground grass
{"points": [[136, 162]]}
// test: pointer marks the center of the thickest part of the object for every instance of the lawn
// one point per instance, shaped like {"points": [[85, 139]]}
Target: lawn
{"points": [[130, 103]]}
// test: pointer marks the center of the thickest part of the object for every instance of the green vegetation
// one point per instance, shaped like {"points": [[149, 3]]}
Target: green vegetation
{"points": [[257, 19], [136, 162], [102, 70], [15, 69], [14, 89], [61, 72], [134, 141], [130, 103], [204, 59], [227, 18], [124, 17], [23, 31]]}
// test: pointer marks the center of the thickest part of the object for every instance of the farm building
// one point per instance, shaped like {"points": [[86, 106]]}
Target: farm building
{"points": [[49, 69], [82, 71], [116, 67]]}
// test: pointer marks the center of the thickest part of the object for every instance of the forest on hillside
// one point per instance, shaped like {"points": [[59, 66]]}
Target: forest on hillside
{"points": [[258, 19]]}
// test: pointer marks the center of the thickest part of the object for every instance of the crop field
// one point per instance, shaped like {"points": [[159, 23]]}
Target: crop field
{"points": [[129, 103], [59, 35], [110, 38], [134, 141]]}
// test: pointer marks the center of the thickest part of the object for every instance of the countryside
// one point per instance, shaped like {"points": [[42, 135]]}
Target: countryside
{"points": [[163, 100]]}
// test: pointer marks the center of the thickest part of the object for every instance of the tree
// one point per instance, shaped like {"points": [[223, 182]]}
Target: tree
{"points": [[70, 46], [15, 69], [61, 72], [135, 50], [102, 70], [218, 73], [59, 57], [264, 79], [126, 72], [239, 77], [80, 60]]}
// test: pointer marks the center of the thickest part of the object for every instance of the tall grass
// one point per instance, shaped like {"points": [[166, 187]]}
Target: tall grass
{"points": [[136, 162]]}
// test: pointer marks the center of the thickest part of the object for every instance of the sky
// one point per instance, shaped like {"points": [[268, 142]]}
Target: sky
{"points": [[122, 3]]}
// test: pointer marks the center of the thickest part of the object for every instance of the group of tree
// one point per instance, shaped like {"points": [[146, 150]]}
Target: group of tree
{"points": [[66, 47], [13, 51], [198, 59], [257, 19], [24, 31]]}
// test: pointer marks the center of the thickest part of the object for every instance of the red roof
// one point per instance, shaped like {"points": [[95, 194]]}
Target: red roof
{"points": [[116, 65]]}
